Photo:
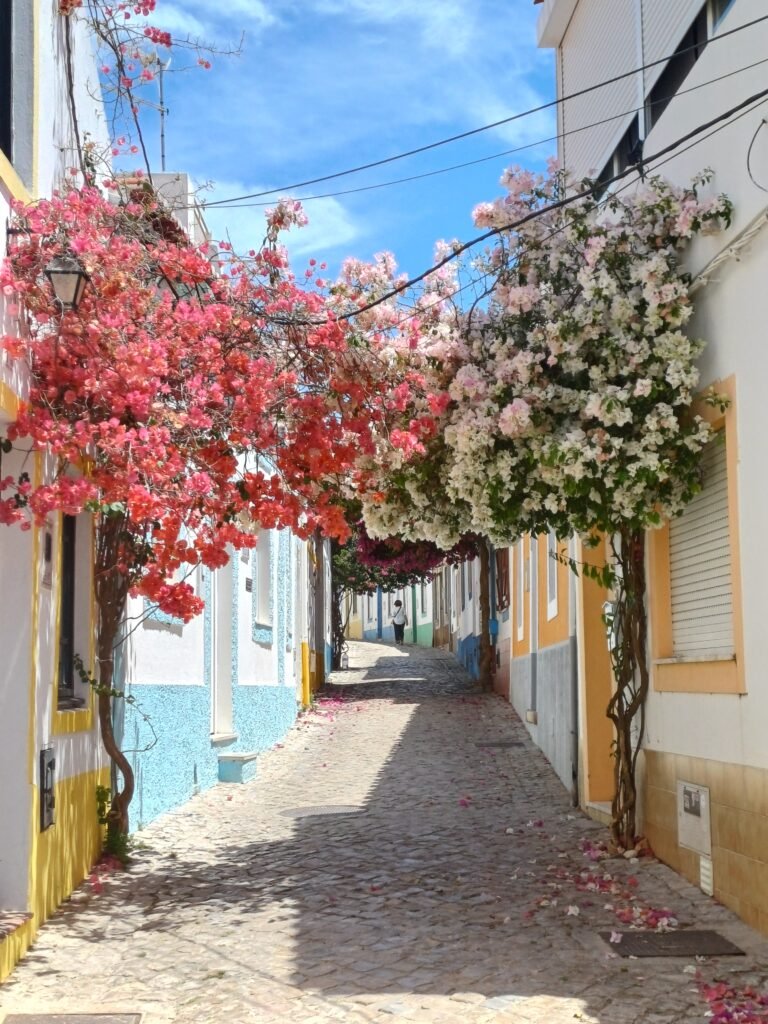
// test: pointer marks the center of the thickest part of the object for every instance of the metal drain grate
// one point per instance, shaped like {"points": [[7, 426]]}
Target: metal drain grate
{"points": [[73, 1018], [500, 744], [310, 812], [687, 943]]}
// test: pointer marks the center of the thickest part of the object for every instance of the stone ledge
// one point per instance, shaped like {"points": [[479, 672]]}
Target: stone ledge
{"points": [[237, 767], [11, 920]]}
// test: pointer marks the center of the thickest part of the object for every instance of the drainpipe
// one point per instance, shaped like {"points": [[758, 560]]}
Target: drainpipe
{"points": [[573, 643], [320, 604], [494, 623], [533, 570]]}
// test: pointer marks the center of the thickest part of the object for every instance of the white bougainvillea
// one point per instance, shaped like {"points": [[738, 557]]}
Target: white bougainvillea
{"points": [[565, 402]]}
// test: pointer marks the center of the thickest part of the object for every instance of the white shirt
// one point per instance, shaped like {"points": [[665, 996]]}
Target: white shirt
{"points": [[399, 617]]}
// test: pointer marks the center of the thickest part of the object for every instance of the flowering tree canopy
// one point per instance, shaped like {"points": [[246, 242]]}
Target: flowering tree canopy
{"points": [[564, 404], [187, 418]]}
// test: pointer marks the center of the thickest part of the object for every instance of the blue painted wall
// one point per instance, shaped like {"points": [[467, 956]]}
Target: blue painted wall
{"points": [[182, 760]]}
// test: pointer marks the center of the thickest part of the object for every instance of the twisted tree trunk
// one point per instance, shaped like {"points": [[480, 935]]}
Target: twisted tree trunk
{"points": [[626, 709], [111, 593]]}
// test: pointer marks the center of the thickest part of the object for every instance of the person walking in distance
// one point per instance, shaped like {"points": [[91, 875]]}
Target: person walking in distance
{"points": [[399, 622]]}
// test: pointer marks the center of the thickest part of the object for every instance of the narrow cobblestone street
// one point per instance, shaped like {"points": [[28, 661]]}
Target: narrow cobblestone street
{"points": [[451, 882]]}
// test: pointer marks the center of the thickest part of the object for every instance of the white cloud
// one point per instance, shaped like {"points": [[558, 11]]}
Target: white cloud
{"points": [[331, 226], [445, 24], [199, 22]]}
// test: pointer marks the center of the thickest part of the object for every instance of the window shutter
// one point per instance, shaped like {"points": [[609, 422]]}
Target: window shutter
{"points": [[700, 566], [601, 42]]}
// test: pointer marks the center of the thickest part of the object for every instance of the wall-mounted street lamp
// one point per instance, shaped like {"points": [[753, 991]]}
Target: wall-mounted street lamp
{"points": [[68, 280]]}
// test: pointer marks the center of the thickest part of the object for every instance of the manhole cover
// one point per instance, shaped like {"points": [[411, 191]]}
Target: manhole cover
{"points": [[310, 812], [500, 744], [704, 943], [73, 1018]]}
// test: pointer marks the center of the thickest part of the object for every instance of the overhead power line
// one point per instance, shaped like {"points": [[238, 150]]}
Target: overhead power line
{"points": [[603, 202], [234, 205], [558, 205], [487, 127]]}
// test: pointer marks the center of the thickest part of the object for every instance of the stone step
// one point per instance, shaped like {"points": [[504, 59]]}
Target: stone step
{"points": [[239, 767], [10, 920]]}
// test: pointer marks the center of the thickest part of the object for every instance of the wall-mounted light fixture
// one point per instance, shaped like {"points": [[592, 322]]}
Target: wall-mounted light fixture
{"points": [[68, 280]]}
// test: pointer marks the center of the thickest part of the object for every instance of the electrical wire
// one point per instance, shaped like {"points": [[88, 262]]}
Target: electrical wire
{"points": [[559, 204], [604, 203], [752, 178], [231, 205], [495, 124]]}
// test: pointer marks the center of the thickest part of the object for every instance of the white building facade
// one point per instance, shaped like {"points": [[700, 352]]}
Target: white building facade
{"points": [[707, 710]]}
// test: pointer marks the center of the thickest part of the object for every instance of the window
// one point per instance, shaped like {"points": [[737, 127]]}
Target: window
{"points": [[520, 589], [551, 574], [679, 65], [695, 574], [719, 10], [470, 579], [67, 610], [700, 567], [389, 603], [628, 151], [462, 574], [72, 583], [354, 604], [262, 593], [17, 91], [369, 612], [263, 572], [6, 79], [502, 579], [423, 597]]}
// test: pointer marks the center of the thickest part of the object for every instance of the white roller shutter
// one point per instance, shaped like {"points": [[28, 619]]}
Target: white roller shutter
{"points": [[700, 566], [665, 22], [601, 42]]}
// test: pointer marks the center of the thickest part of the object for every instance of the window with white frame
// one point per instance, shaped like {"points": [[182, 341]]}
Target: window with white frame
{"points": [[369, 607], [423, 597], [520, 589], [551, 574], [262, 582], [700, 571]]}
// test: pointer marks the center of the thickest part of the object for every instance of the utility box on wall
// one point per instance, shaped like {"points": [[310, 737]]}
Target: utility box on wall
{"points": [[47, 788], [694, 830]]}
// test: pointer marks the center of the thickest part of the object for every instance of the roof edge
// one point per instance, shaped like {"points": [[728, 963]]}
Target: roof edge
{"points": [[553, 21]]}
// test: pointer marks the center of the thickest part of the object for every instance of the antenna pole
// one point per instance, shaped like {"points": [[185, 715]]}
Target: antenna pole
{"points": [[163, 112]]}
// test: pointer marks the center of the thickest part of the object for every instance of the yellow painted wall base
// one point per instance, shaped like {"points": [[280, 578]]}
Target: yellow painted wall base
{"points": [[61, 857], [739, 808], [306, 683]]}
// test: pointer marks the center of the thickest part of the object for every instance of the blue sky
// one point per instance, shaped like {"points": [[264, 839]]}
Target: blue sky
{"points": [[321, 85]]}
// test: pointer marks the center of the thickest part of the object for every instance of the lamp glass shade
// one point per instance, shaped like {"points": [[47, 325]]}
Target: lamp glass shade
{"points": [[68, 280]]}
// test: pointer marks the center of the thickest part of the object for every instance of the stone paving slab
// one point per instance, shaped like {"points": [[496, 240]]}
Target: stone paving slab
{"points": [[466, 893]]}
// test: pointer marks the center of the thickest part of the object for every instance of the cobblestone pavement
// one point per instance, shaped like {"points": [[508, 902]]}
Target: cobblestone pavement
{"points": [[448, 886]]}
